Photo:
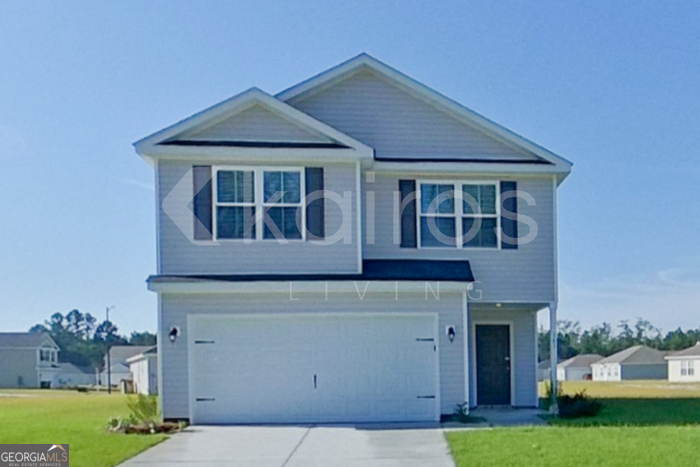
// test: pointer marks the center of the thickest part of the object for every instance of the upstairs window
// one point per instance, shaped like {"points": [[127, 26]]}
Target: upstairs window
{"points": [[458, 214], [258, 203]]}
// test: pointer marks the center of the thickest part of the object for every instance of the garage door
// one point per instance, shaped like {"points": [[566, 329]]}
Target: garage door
{"points": [[313, 368]]}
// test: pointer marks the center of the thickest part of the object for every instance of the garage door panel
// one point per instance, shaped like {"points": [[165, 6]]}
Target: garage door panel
{"points": [[261, 369]]}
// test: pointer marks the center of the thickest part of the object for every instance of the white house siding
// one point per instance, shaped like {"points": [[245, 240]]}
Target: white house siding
{"points": [[19, 366], [524, 274], [524, 351], [572, 374], [607, 372], [397, 123], [674, 371], [642, 371], [176, 307], [180, 256], [254, 124], [145, 375]]}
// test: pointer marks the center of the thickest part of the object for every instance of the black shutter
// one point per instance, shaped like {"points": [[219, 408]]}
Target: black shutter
{"points": [[408, 214], [201, 176], [315, 210], [509, 226]]}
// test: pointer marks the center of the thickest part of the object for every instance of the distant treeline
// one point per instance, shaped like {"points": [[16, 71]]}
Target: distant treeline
{"points": [[603, 340], [84, 341]]}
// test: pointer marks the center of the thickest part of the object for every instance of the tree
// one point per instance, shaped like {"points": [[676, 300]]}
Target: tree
{"points": [[142, 338]]}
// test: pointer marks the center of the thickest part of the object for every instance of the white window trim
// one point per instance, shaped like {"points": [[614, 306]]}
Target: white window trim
{"points": [[258, 201], [458, 215]]}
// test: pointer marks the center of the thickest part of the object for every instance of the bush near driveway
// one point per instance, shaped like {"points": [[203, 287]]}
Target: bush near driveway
{"points": [[78, 419]]}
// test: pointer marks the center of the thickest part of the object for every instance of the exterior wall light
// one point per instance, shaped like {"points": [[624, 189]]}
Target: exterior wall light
{"points": [[450, 331], [172, 335]]}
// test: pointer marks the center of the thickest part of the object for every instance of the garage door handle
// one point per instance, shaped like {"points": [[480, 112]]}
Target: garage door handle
{"points": [[426, 397], [314, 381]]}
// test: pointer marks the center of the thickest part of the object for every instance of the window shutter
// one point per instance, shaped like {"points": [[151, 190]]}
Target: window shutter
{"points": [[315, 210], [408, 214], [201, 176], [509, 226]]}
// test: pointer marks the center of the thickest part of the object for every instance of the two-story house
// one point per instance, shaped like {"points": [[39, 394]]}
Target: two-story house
{"points": [[28, 360], [356, 248]]}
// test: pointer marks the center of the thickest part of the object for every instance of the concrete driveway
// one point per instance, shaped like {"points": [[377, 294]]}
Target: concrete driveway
{"points": [[300, 446]]}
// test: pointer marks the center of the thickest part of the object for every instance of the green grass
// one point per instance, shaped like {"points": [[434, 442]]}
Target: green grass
{"points": [[68, 417], [642, 424]]}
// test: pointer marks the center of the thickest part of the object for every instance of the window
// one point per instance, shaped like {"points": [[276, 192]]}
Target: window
{"points": [[45, 355], [687, 368], [259, 203], [458, 214]]}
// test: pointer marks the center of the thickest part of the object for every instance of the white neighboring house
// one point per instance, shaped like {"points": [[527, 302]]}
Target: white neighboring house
{"points": [[144, 371], [70, 375], [577, 368], [684, 365], [27, 360], [637, 362], [291, 310], [120, 368]]}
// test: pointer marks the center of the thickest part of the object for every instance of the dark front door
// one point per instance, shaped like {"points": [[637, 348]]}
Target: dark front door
{"points": [[493, 364]]}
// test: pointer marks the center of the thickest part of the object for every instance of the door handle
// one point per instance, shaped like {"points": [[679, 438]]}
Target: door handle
{"points": [[507, 359]]}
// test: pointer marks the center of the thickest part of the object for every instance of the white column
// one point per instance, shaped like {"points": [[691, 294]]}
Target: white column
{"points": [[465, 344], [553, 355]]}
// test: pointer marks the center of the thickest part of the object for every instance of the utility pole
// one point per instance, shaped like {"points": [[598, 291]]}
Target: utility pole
{"points": [[109, 360]]}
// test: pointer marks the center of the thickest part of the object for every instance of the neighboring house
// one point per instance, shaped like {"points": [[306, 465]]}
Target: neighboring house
{"points": [[544, 370], [144, 371], [577, 368], [120, 368], [70, 375], [684, 365], [638, 362], [27, 360], [407, 283]]}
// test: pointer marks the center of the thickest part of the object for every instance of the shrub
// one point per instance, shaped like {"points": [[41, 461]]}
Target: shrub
{"points": [[461, 413], [144, 409], [547, 401], [578, 405]]}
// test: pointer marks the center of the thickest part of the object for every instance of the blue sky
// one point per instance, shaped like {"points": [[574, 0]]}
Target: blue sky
{"points": [[611, 86]]}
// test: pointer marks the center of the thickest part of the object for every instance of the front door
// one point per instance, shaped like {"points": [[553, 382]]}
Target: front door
{"points": [[493, 364]]}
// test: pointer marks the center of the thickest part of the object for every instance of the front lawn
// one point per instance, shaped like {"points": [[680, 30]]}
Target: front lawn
{"points": [[68, 417], [655, 424]]}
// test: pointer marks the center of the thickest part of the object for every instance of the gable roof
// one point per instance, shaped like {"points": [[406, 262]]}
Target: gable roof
{"points": [[71, 368], [581, 361], [120, 353], [693, 351], [150, 352], [25, 339], [636, 355], [289, 129], [366, 62]]}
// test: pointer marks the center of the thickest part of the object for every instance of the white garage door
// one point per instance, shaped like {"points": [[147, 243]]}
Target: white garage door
{"points": [[313, 368]]}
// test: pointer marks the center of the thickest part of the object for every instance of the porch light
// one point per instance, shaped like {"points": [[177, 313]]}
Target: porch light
{"points": [[172, 335], [451, 333]]}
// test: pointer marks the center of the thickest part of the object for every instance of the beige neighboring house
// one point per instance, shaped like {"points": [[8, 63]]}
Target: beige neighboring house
{"points": [[684, 365], [144, 371], [27, 360], [120, 368], [637, 362], [577, 368]]}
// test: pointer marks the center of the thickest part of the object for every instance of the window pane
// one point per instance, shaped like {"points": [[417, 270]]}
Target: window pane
{"points": [[285, 220], [482, 198], [485, 237], [235, 222], [292, 187], [487, 199], [430, 227], [430, 191], [235, 186], [287, 184]]}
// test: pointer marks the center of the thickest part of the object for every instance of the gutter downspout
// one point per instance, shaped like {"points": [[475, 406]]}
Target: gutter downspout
{"points": [[554, 357]]}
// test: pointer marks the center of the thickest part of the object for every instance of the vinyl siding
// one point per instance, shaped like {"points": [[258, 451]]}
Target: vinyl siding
{"points": [[634, 371], [674, 371], [397, 123], [524, 352], [254, 124], [178, 255], [16, 363], [176, 307], [524, 274]]}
